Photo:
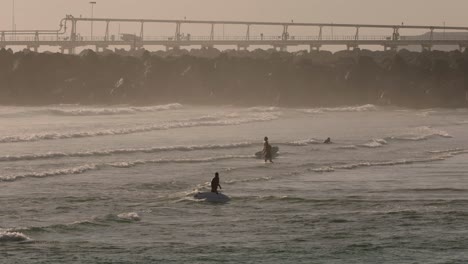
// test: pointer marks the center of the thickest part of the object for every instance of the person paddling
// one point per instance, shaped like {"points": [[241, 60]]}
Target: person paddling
{"points": [[215, 184], [267, 150]]}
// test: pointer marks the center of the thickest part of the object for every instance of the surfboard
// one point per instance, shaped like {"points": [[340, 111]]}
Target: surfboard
{"points": [[212, 197], [274, 153]]}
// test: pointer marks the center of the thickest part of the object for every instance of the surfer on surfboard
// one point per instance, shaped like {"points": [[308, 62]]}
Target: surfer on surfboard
{"points": [[215, 184], [267, 151]]}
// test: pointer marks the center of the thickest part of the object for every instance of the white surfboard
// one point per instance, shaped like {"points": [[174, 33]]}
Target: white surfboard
{"points": [[212, 197], [274, 153]]}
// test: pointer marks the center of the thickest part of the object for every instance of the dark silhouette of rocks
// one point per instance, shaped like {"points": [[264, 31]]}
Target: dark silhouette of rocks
{"points": [[259, 77]]}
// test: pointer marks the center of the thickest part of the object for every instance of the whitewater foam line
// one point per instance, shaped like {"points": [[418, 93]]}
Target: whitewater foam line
{"points": [[52, 155], [124, 164], [384, 163], [162, 161], [51, 173], [299, 143], [110, 111], [140, 129], [96, 221], [422, 133], [362, 108], [13, 237]]}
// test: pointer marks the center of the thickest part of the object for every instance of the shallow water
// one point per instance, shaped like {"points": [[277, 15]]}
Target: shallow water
{"points": [[116, 185]]}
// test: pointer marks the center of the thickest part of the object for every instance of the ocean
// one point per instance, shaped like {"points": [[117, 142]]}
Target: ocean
{"points": [[101, 184]]}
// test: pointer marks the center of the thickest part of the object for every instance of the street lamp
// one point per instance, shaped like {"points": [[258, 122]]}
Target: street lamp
{"points": [[92, 16]]}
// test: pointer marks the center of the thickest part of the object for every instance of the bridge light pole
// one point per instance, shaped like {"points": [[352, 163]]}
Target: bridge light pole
{"points": [[92, 16], [13, 22]]}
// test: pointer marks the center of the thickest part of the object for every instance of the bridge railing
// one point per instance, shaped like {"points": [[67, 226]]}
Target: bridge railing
{"points": [[256, 38]]}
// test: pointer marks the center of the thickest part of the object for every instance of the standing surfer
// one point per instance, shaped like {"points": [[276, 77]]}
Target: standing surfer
{"points": [[267, 151], [215, 183]]}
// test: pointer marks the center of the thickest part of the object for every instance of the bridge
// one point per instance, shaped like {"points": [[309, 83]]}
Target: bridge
{"points": [[67, 38]]}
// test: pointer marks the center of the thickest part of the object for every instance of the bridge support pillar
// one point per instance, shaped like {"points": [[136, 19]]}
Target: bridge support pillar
{"points": [[282, 48], [34, 48], [242, 47], [101, 48], [426, 47], [314, 47], [392, 48], [70, 50], [352, 47], [169, 47]]}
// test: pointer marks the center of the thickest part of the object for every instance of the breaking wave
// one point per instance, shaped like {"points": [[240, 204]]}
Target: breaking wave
{"points": [[130, 164], [51, 173], [139, 129], [362, 108], [111, 110], [133, 216], [52, 155], [379, 164], [264, 109], [375, 143], [13, 237], [421, 133], [303, 142], [123, 164]]}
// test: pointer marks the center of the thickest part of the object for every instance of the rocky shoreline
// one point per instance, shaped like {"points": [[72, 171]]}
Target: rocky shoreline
{"points": [[209, 76]]}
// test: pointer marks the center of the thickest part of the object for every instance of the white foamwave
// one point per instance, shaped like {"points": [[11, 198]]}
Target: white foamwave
{"points": [[421, 133], [123, 164], [375, 143], [362, 108], [455, 150], [51, 155], [324, 169], [111, 110], [129, 216], [388, 163], [13, 237], [130, 164], [51, 173], [348, 147], [147, 128], [263, 109], [303, 142]]}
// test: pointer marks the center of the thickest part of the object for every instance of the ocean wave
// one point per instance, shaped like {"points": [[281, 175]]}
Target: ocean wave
{"points": [[122, 164], [421, 133], [264, 109], [130, 164], [51, 155], [132, 216], [146, 128], [347, 147], [233, 181], [362, 108], [375, 143], [455, 150], [303, 142], [111, 110], [13, 237], [51, 173], [94, 221]]}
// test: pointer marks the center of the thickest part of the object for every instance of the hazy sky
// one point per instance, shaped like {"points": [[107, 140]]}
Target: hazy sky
{"points": [[46, 14]]}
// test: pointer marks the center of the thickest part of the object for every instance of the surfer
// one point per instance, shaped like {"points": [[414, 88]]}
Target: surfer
{"points": [[215, 183], [267, 151], [327, 141]]}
